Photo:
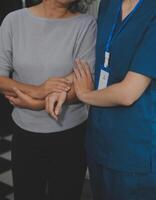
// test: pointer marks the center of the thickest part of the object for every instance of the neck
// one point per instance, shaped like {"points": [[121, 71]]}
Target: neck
{"points": [[52, 8], [128, 6]]}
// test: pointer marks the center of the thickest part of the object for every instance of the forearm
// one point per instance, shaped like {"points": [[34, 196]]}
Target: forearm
{"points": [[7, 85], [115, 95]]}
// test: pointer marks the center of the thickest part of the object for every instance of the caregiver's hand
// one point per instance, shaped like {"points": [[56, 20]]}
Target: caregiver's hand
{"points": [[52, 85], [54, 103], [83, 81], [23, 100]]}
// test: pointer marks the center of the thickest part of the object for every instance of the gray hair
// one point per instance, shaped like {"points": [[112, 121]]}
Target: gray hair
{"points": [[80, 6]]}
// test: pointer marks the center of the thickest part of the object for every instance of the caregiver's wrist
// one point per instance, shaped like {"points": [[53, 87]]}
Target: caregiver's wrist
{"points": [[85, 97]]}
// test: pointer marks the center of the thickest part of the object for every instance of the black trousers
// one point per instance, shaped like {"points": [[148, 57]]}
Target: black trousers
{"points": [[52, 164]]}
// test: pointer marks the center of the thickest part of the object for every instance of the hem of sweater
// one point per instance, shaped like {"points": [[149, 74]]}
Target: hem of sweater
{"points": [[71, 125]]}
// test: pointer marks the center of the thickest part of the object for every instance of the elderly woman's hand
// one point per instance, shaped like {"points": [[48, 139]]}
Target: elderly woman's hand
{"points": [[50, 86], [83, 81], [54, 103], [23, 100]]}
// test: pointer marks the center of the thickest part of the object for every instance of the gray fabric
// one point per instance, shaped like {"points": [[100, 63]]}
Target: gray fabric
{"points": [[35, 49]]}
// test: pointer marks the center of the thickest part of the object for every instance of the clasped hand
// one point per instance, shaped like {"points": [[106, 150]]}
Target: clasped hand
{"points": [[37, 100], [83, 82], [52, 85]]}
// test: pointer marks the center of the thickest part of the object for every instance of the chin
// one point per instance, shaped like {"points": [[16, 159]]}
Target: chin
{"points": [[65, 1]]}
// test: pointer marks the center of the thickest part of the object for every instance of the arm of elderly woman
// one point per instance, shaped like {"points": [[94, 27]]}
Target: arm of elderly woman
{"points": [[30, 96], [38, 92]]}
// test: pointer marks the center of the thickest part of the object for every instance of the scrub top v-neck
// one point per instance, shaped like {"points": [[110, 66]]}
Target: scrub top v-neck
{"points": [[124, 138]]}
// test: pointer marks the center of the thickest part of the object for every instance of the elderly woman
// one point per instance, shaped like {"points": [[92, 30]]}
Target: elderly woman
{"points": [[39, 45]]}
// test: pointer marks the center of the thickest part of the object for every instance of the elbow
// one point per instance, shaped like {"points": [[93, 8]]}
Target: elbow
{"points": [[127, 100]]}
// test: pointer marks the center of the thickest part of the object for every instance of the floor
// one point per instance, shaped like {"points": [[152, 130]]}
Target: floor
{"points": [[6, 190]]}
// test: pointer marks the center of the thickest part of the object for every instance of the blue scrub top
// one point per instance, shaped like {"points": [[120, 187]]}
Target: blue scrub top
{"points": [[124, 138]]}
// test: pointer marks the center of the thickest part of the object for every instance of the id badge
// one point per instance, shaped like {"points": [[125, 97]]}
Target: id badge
{"points": [[103, 80]]}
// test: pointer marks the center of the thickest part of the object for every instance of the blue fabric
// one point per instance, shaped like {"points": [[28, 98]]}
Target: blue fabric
{"points": [[108, 184], [124, 138]]}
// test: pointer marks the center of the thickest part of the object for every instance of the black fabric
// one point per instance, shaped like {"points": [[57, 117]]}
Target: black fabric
{"points": [[5, 117], [6, 6], [55, 161], [32, 2]]}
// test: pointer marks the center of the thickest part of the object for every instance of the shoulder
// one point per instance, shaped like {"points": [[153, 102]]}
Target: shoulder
{"points": [[13, 16], [86, 21], [13, 20]]}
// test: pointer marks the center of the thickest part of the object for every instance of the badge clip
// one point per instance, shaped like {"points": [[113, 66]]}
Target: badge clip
{"points": [[107, 58]]}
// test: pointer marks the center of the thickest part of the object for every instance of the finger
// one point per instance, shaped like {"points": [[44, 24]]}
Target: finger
{"points": [[12, 103], [77, 73], [60, 104], [52, 102], [10, 98], [62, 80], [74, 79], [83, 65], [47, 104], [69, 81], [62, 85], [80, 66], [59, 87], [82, 70], [87, 69], [78, 63], [58, 107], [7, 96], [56, 87], [13, 100], [76, 83], [10, 94], [19, 93]]}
